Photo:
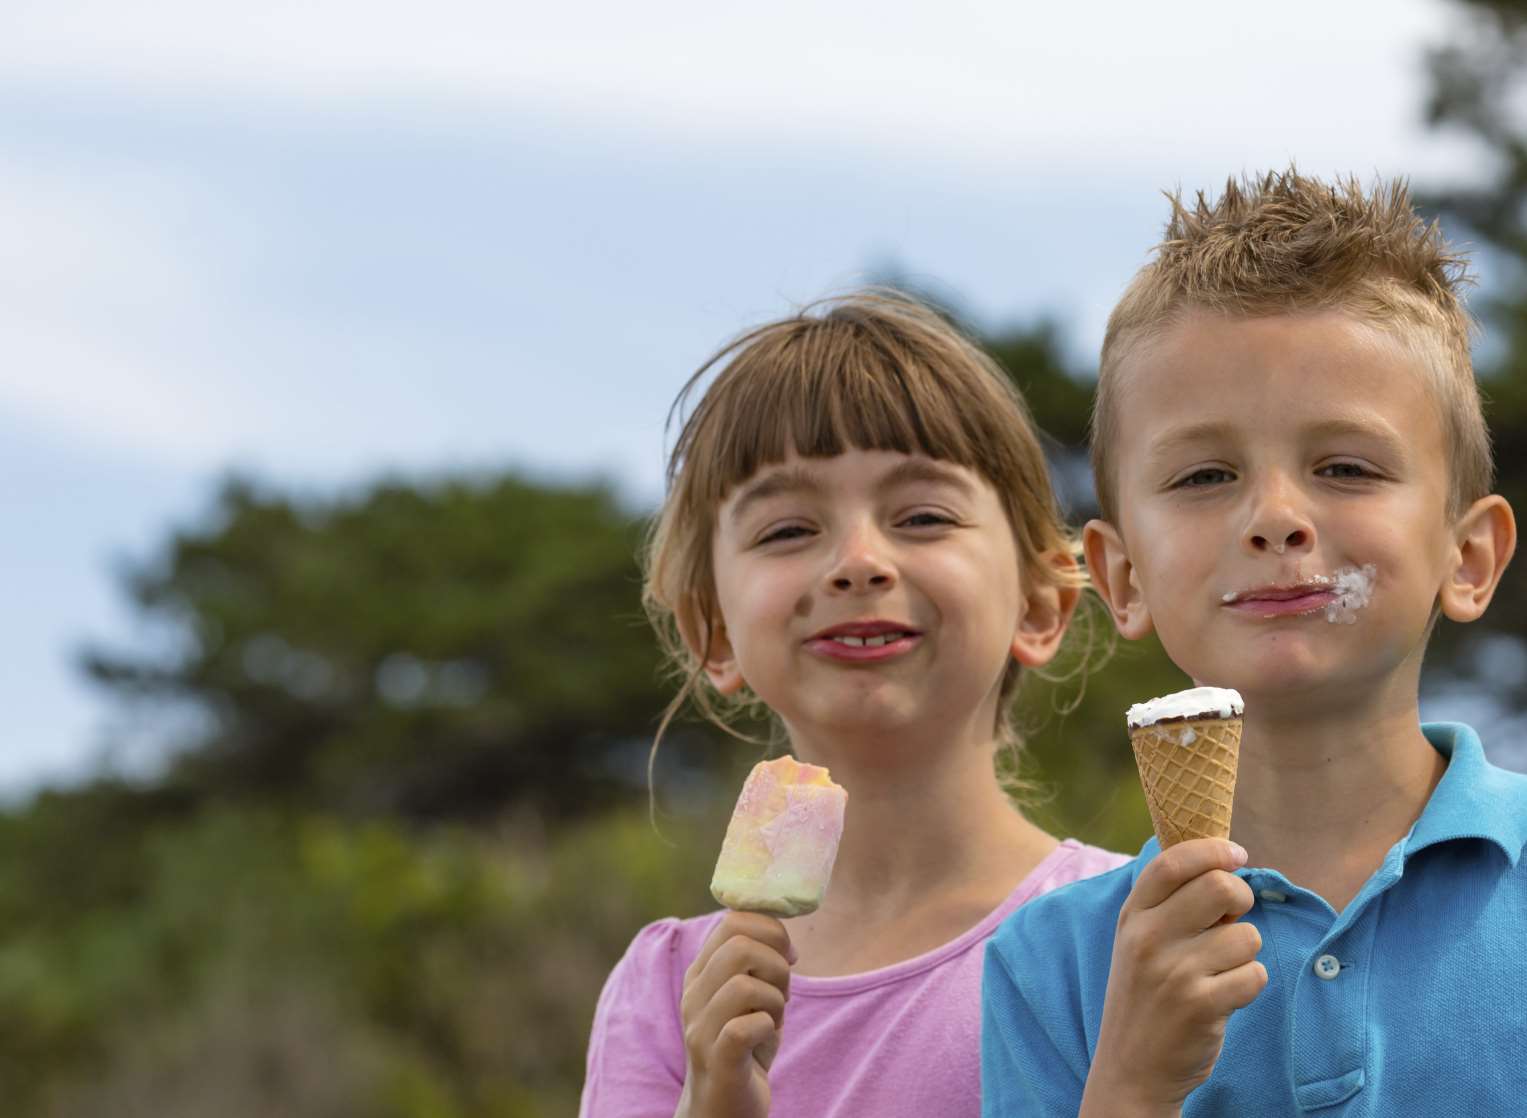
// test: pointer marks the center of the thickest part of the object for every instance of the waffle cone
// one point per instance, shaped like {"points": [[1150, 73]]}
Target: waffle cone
{"points": [[1189, 778]]}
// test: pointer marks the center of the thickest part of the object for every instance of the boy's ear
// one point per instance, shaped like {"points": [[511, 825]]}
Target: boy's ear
{"points": [[1113, 575], [706, 638], [1484, 540], [1047, 610]]}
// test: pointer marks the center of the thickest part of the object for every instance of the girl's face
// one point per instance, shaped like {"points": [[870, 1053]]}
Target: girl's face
{"points": [[874, 593]]}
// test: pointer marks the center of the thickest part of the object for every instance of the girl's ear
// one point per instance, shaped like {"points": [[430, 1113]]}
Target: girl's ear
{"points": [[705, 637], [1484, 540], [1113, 575], [1047, 610]]}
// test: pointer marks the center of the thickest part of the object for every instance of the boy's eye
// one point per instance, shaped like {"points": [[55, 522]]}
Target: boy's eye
{"points": [[1209, 475], [1344, 470]]}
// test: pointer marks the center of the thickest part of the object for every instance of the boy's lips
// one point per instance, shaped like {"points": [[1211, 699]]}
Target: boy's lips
{"points": [[1282, 601], [861, 641]]}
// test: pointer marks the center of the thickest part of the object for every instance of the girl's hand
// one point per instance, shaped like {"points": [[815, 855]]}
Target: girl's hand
{"points": [[1182, 963], [733, 1007]]}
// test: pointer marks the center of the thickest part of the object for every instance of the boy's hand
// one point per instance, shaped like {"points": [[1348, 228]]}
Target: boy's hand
{"points": [[1182, 963], [732, 1007]]}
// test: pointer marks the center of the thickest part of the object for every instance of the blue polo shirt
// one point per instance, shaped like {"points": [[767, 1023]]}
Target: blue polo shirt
{"points": [[1412, 1001]]}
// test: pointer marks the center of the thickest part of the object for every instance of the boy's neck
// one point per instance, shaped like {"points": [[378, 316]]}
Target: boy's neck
{"points": [[1322, 798]]}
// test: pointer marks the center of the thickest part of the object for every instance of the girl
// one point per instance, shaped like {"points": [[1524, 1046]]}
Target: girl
{"points": [[860, 534]]}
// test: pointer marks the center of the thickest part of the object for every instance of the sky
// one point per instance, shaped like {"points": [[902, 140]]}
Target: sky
{"points": [[315, 243]]}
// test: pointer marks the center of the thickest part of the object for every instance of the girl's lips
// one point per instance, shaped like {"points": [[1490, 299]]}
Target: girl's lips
{"points": [[864, 653], [1284, 604]]}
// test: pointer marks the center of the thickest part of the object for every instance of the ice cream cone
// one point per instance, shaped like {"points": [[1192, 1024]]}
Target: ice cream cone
{"points": [[1186, 747], [1188, 772]]}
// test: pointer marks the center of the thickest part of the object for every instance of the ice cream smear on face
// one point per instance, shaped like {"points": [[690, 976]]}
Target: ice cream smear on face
{"points": [[782, 840], [1182, 706], [1353, 587]]}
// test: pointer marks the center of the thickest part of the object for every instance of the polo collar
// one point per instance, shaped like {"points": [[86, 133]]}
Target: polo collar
{"points": [[1474, 799]]}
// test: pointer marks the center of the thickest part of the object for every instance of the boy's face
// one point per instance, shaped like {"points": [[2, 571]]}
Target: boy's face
{"points": [[1282, 493]]}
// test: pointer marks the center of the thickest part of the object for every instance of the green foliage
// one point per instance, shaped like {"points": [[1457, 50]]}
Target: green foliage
{"points": [[433, 651], [1477, 85], [252, 961]]}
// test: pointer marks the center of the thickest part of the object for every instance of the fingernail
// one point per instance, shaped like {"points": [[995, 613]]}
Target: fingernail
{"points": [[1238, 853], [791, 956]]}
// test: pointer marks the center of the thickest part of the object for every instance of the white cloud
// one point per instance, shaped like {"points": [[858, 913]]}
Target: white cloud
{"points": [[97, 291], [1008, 84]]}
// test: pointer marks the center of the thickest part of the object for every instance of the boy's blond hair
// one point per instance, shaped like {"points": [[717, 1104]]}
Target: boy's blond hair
{"points": [[1286, 243], [872, 370]]}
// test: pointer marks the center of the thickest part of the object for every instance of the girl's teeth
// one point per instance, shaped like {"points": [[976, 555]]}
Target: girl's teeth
{"points": [[869, 642]]}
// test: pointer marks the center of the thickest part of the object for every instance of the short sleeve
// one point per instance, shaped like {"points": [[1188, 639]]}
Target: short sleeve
{"points": [[1024, 1070], [636, 1048]]}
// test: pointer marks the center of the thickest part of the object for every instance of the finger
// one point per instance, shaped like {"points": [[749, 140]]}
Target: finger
{"points": [[1226, 947], [1238, 988], [737, 956], [1179, 864], [754, 925], [743, 994], [742, 1038], [741, 997], [1202, 903]]}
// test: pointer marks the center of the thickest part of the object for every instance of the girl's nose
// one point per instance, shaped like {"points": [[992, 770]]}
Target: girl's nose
{"points": [[861, 564]]}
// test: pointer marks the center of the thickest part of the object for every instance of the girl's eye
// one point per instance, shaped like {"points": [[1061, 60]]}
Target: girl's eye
{"points": [[1209, 475], [926, 520], [788, 532]]}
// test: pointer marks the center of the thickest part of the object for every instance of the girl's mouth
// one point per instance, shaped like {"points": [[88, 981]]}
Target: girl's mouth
{"points": [[852, 649]]}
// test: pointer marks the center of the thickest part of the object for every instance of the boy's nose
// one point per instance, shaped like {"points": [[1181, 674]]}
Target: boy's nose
{"points": [[1295, 538], [1278, 525]]}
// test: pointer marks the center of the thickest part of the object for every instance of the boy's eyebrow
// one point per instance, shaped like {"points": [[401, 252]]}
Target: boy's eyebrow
{"points": [[1368, 427], [798, 479]]}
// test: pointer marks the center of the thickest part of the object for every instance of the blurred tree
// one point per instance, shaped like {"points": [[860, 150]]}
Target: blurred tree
{"points": [[1478, 86], [432, 650]]}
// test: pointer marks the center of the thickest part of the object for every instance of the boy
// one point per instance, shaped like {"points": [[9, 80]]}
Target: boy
{"points": [[1294, 479]]}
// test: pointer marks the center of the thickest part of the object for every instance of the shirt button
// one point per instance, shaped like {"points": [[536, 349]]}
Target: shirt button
{"points": [[1328, 967], [1273, 895]]}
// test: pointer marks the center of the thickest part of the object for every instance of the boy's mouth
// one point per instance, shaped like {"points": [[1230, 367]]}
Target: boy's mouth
{"points": [[1282, 601], [1340, 595]]}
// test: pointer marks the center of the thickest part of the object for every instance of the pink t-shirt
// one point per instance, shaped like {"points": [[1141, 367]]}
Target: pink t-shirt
{"points": [[904, 1040]]}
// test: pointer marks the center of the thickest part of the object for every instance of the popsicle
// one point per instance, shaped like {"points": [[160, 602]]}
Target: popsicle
{"points": [[1186, 746], [782, 840]]}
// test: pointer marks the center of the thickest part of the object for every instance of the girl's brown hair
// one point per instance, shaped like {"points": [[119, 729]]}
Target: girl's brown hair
{"points": [[871, 370]]}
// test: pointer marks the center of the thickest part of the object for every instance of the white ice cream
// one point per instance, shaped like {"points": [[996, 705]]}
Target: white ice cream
{"points": [[1195, 702], [1354, 589]]}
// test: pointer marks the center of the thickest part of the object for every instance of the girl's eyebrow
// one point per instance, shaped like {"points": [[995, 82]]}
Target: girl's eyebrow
{"points": [[798, 479], [924, 469], [792, 479]]}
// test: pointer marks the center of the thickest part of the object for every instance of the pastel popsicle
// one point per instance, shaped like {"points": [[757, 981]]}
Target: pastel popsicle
{"points": [[782, 840]]}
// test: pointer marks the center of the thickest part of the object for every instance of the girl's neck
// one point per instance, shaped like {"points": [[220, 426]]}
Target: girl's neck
{"points": [[1322, 795], [928, 850]]}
